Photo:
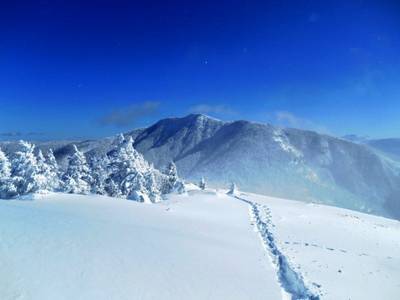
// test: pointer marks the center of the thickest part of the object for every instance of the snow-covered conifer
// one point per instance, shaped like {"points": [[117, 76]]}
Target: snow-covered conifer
{"points": [[5, 165], [7, 188], [119, 139], [127, 167], [25, 170], [202, 183], [111, 188], [152, 186], [134, 187], [173, 183], [43, 176], [54, 172], [98, 167], [172, 174], [233, 190], [77, 178]]}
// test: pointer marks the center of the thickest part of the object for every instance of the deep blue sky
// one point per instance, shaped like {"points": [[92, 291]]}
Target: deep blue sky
{"points": [[93, 68]]}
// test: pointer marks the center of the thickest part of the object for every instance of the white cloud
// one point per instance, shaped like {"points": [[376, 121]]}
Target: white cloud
{"points": [[129, 115], [288, 119], [219, 109]]}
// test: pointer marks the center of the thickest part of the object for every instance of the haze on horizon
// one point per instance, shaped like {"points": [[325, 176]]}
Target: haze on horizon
{"points": [[78, 70]]}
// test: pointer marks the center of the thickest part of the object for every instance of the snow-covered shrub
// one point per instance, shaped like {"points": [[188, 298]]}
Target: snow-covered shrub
{"points": [[77, 178]]}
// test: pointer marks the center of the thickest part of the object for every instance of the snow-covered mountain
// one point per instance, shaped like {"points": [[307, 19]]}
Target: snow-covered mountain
{"points": [[389, 147], [266, 159], [200, 245], [289, 163]]}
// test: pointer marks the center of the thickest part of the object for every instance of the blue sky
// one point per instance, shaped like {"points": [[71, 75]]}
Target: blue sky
{"points": [[76, 69]]}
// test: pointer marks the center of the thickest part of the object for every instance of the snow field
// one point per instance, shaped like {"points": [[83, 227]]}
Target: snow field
{"points": [[195, 246]]}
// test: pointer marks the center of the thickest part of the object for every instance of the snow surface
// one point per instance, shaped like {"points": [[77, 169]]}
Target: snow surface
{"points": [[342, 254], [94, 247], [201, 245]]}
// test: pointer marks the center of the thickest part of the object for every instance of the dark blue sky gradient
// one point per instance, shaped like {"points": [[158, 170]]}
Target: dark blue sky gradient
{"points": [[72, 69]]}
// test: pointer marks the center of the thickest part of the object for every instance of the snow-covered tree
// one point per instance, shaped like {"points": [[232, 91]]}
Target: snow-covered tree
{"points": [[119, 139], [77, 178], [111, 188], [138, 190], [127, 167], [25, 170], [98, 168], [202, 183], [54, 172], [233, 190], [172, 174], [173, 183], [135, 177], [152, 186], [44, 177], [131, 176], [180, 187], [7, 187]]}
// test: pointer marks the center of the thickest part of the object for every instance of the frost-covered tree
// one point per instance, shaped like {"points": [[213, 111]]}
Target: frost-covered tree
{"points": [[44, 176], [7, 187], [152, 186], [173, 183], [98, 168], [132, 177], [233, 190], [202, 183], [139, 191], [172, 174], [77, 178], [180, 187], [111, 188], [25, 170], [135, 177], [5, 165], [53, 172], [127, 167]]}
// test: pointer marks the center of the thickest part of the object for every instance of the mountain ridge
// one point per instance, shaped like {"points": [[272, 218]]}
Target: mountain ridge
{"points": [[263, 158]]}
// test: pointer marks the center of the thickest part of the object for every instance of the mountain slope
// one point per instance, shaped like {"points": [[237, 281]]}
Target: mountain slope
{"points": [[290, 163]]}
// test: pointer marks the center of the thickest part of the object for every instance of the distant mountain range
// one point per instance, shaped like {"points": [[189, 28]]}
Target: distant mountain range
{"points": [[389, 147], [262, 158]]}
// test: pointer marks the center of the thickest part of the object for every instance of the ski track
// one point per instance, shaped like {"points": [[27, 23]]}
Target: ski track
{"points": [[291, 282]]}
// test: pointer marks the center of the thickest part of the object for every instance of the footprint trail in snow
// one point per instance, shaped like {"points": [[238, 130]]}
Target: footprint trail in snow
{"points": [[291, 282]]}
